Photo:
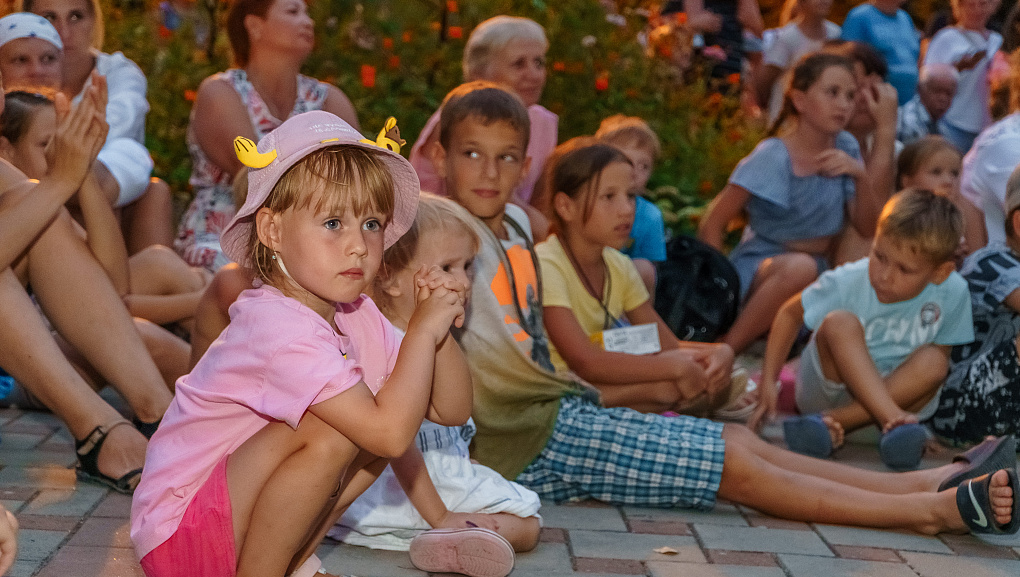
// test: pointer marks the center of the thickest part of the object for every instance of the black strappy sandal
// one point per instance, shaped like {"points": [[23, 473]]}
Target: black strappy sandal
{"points": [[88, 461]]}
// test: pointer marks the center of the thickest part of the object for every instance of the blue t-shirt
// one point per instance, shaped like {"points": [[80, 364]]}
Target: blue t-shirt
{"points": [[895, 37], [941, 314], [648, 235], [784, 207]]}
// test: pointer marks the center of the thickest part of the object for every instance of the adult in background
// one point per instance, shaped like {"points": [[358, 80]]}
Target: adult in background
{"points": [[986, 168], [804, 30], [270, 40], [918, 118], [969, 46], [885, 26], [508, 50], [42, 254], [124, 163]]}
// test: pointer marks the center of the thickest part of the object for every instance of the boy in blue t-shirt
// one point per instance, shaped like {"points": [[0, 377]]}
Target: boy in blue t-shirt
{"points": [[639, 143], [889, 29], [883, 327]]}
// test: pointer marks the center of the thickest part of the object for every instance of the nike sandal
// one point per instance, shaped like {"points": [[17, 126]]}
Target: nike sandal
{"points": [[987, 457], [974, 504]]}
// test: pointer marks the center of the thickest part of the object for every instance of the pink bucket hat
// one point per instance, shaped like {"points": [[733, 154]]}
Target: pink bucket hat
{"points": [[295, 139]]}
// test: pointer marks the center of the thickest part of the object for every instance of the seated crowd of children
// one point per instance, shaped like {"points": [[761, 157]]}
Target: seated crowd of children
{"points": [[409, 353]]}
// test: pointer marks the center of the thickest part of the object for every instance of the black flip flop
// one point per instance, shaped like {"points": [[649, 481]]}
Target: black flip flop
{"points": [[974, 505], [987, 457]]}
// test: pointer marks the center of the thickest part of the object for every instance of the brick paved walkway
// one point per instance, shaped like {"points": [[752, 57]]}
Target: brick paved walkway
{"points": [[71, 530]]}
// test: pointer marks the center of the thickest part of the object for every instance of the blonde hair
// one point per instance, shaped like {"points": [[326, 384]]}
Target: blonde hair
{"points": [[342, 178], [623, 130], [493, 35], [929, 222], [96, 10], [918, 152], [437, 218]]}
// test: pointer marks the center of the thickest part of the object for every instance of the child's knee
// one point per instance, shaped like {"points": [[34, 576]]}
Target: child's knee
{"points": [[934, 362], [797, 269], [839, 324]]}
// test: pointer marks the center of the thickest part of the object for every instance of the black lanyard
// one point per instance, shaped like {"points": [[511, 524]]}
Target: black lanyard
{"points": [[536, 332], [609, 321]]}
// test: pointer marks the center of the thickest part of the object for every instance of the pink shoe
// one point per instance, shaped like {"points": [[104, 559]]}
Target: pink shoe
{"points": [[475, 552]]}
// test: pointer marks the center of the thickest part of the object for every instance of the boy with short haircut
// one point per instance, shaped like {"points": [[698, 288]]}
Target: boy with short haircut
{"points": [[640, 144], [549, 432], [883, 327]]}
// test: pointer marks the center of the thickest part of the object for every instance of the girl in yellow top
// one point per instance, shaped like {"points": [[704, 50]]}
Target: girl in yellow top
{"points": [[589, 287]]}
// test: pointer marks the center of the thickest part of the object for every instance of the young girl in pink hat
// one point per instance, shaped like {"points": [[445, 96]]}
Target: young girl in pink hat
{"points": [[293, 410]]}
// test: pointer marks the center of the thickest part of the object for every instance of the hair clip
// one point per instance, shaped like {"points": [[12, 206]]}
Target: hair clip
{"points": [[249, 154], [389, 137]]}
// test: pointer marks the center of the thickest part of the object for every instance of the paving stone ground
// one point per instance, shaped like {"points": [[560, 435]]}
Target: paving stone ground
{"points": [[81, 530]]}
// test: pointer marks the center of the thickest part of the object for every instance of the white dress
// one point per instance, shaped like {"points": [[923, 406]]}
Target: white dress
{"points": [[383, 517]]}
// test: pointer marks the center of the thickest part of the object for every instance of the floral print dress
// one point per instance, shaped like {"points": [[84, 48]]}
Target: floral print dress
{"points": [[198, 238]]}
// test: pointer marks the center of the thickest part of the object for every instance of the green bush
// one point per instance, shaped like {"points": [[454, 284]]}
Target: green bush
{"points": [[413, 49]]}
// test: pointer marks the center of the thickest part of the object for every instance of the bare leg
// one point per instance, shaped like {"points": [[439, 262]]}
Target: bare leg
{"points": [[777, 279], [521, 532], [750, 480], [924, 480], [82, 304], [168, 351], [157, 270], [30, 354], [282, 484], [845, 358], [148, 220]]}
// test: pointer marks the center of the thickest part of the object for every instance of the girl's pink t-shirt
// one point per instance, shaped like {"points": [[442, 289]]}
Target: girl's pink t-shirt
{"points": [[541, 142], [275, 359]]}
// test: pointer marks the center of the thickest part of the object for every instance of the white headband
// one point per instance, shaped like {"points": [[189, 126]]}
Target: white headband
{"points": [[28, 25]]}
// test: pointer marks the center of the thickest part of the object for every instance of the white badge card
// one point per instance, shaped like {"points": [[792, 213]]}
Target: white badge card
{"points": [[634, 340]]}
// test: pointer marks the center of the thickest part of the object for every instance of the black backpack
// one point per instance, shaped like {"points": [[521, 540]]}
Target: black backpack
{"points": [[698, 291]]}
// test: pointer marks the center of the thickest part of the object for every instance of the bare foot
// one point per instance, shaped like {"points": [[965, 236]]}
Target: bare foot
{"points": [[123, 452], [1001, 496], [901, 419], [836, 431]]}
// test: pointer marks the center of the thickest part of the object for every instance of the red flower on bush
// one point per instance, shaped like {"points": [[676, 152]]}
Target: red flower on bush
{"points": [[406, 37], [451, 5], [681, 18], [368, 76], [190, 95], [394, 61], [165, 33], [705, 187], [733, 78], [602, 82], [456, 32], [387, 43], [559, 66]]}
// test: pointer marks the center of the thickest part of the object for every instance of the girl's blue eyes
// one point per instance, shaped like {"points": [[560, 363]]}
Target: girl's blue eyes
{"points": [[369, 225]]}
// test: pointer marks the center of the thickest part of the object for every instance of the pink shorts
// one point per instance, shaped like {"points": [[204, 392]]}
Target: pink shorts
{"points": [[203, 545]]}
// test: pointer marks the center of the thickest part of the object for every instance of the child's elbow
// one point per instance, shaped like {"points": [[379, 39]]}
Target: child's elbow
{"points": [[392, 447]]}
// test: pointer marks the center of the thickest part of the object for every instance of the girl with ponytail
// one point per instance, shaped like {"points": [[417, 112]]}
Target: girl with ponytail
{"points": [[798, 190]]}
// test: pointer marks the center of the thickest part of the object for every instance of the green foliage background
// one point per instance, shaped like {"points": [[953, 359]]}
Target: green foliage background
{"points": [[415, 50]]}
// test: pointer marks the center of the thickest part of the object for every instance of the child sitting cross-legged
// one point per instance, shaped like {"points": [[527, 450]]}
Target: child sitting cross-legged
{"points": [[883, 327], [548, 430]]}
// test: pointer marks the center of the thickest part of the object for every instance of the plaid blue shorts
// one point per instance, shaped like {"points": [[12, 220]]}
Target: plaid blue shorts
{"points": [[624, 457]]}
